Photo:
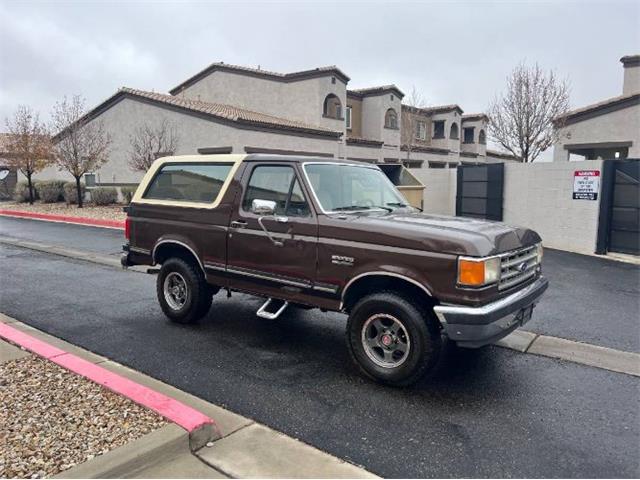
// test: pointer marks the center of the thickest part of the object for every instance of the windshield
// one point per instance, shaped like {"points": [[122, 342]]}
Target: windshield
{"points": [[350, 187]]}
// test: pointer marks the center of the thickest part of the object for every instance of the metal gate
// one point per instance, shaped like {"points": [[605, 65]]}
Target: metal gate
{"points": [[480, 191], [619, 229]]}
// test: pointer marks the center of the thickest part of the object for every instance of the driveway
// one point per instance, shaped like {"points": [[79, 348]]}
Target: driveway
{"points": [[493, 412]]}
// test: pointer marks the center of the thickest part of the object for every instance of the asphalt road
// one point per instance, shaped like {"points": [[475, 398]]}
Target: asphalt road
{"points": [[488, 413], [590, 299]]}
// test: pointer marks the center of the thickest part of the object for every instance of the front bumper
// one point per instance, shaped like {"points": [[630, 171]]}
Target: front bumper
{"points": [[475, 327]]}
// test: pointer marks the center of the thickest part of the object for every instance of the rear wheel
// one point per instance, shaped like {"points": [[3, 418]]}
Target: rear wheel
{"points": [[183, 292], [393, 339]]}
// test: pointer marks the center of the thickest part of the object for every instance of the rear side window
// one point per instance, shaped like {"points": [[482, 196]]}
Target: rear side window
{"points": [[188, 182]]}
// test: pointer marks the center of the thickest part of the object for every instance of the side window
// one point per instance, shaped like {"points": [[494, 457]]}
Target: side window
{"points": [[278, 184], [188, 182]]}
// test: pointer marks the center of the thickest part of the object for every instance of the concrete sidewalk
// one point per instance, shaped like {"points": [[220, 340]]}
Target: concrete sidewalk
{"points": [[243, 449]]}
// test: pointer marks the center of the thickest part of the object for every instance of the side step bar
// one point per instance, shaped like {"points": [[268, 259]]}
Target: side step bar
{"points": [[271, 309]]}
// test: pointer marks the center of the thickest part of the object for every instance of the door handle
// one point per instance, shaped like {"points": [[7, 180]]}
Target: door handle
{"points": [[238, 224]]}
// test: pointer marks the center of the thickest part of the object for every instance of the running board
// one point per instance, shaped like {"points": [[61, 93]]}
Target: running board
{"points": [[264, 311]]}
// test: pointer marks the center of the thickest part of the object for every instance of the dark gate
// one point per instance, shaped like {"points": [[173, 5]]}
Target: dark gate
{"points": [[479, 192], [619, 229]]}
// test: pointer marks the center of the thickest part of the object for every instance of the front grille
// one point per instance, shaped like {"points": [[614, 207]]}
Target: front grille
{"points": [[518, 267]]}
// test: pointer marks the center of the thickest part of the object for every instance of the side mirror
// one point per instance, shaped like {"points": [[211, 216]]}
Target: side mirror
{"points": [[263, 207]]}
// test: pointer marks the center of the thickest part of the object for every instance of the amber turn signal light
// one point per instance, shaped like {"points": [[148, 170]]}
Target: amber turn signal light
{"points": [[470, 272]]}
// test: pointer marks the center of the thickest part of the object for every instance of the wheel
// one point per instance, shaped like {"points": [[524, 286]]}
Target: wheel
{"points": [[393, 339], [183, 293]]}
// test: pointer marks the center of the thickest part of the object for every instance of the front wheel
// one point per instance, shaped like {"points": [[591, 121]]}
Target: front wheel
{"points": [[183, 292], [392, 339]]}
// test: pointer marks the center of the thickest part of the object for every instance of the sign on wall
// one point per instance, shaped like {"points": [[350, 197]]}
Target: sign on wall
{"points": [[586, 184]]}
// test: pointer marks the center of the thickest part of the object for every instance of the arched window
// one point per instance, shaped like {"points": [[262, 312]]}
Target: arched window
{"points": [[454, 132], [332, 107], [482, 138], [391, 119]]}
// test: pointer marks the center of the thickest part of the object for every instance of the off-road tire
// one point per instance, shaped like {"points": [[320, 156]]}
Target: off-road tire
{"points": [[199, 292], [420, 324]]}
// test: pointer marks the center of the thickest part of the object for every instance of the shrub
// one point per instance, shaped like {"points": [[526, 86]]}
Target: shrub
{"points": [[21, 193], [104, 196], [71, 193], [51, 191], [127, 193]]}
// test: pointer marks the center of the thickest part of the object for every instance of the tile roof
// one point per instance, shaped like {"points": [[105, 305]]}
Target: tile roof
{"points": [[364, 92], [602, 107], [215, 110], [364, 141], [434, 109], [284, 77], [475, 116]]}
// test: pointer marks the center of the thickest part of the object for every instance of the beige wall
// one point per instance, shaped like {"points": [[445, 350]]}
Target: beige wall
{"points": [[631, 80], [619, 126], [540, 196], [356, 117], [123, 118], [301, 100], [439, 191]]}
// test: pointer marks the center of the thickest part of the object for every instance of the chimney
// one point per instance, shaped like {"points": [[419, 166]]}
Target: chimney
{"points": [[631, 64]]}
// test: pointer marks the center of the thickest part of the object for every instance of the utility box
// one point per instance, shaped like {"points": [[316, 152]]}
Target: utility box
{"points": [[403, 179]]}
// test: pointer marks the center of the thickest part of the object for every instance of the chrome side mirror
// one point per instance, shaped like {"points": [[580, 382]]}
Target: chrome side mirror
{"points": [[267, 208], [263, 207]]}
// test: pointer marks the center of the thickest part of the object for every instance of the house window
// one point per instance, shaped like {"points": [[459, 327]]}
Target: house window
{"points": [[391, 98], [421, 130], [454, 132], [438, 129], [333, 80], [90, 179], [332, 107], [391, 119], [482, 138], [348, 117], [437, 165], [468, 134]]}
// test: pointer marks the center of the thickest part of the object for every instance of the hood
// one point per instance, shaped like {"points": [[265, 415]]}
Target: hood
{"points": [[441, 233]]}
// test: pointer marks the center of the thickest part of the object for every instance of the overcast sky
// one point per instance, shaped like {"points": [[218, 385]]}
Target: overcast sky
{"points": [[453, 52]]}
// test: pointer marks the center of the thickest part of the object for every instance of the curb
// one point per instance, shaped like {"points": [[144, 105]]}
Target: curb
{"points": [[200, 428], [49, 217]]}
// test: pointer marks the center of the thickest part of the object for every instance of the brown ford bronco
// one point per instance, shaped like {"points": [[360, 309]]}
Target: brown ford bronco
{"points": [[335, 235]]}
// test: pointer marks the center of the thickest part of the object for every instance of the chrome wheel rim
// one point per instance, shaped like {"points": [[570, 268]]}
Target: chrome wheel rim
{"points": [[175, 290], [385, 340]]}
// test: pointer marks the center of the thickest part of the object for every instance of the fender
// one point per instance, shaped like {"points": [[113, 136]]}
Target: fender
{"points": [[180, 242]]}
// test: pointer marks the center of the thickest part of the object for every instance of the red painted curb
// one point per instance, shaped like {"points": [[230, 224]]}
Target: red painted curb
{"points": [[173, 410], [94, 222]]}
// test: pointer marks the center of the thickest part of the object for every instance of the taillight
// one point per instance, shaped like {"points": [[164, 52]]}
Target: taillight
{"points": [[127, 228]]}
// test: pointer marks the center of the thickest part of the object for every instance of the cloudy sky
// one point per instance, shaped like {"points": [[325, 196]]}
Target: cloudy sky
{"points": [[452, 52]]}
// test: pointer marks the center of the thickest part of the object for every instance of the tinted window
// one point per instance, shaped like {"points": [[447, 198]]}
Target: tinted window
{"points": [[196, 182], [278, 184]]}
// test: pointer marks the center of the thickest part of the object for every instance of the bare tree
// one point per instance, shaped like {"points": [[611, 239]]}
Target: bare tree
{"points": [[150, 142], [28, 144], [521, 118], [412, 103], [82, 144]]}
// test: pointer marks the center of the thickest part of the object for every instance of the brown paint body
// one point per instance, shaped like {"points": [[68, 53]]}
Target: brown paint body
{"points": [[418, 247]]}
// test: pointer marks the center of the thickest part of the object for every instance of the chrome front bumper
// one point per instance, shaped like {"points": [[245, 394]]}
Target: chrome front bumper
{"points": [[475, 327]]}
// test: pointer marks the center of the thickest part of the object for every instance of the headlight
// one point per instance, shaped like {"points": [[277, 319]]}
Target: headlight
{"points": [[477, 272], [539, 252]]}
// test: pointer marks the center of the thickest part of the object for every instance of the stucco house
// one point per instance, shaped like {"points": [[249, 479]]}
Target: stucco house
{"points": [[607, 129], [233, 109]]}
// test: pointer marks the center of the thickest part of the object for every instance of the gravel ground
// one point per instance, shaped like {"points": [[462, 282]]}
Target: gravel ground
{"points": [[52, 419], [113, 212]]}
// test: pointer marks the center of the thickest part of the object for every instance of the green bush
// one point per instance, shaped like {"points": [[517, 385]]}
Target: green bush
{"points": [[51, 191], [21, 193], [104, 196], [127, 193], [71, 193]]}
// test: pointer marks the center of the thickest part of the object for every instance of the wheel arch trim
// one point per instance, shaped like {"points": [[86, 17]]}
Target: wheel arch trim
{"points": [[381, 273], [179, 243]]}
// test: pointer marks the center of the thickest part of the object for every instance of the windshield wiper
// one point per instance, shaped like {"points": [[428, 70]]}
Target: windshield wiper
{"points": [[360, 207], [397, 204]]}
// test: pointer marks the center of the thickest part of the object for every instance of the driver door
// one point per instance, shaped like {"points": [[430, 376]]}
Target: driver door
{"points": [[284, 258]]}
